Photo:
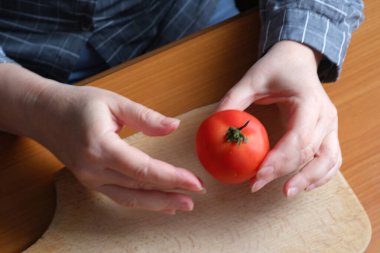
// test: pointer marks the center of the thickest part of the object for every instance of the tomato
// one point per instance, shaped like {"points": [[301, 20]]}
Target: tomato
{"points": [[231, 145]]}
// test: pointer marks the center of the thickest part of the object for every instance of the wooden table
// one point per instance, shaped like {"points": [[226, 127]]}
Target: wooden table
{"points": [[194, 72]]}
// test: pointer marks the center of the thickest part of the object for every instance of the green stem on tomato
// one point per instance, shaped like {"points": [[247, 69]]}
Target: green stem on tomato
{"points": [[235, 135]]}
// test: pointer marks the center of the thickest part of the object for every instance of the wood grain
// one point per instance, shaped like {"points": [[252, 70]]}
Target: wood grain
{"points": [[357, 96], [227, 219], [192, 73]]}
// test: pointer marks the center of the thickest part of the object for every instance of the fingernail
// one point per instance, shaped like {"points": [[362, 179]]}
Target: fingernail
{"points": [[201, 182], [310, 187], [258, 185], [170, 121], [265, 172], [169, 211], [201, 188], [291, 192], [186, 206], [203, 191]]}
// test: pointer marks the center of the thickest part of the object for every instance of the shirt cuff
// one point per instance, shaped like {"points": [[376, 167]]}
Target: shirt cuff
{"points": [[313, 30], [4, 58]]}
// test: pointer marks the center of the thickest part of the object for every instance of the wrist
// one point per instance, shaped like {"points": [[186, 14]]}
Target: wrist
{"points": [[297, 54], [42, 106], [21, 92]]}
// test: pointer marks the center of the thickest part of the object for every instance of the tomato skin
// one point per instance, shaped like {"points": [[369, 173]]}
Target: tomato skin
{"points": [[226, 161]]}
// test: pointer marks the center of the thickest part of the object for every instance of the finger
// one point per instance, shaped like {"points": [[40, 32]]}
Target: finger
{"points": [[322, 129], [239, 97], [322, 167], [112, 177], [330, 174], [142, 168], [149, 200], [144, 119], [292, 151]]}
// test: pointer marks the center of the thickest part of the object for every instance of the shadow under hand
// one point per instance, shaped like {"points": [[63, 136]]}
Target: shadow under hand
{"points": [[271, 118]]}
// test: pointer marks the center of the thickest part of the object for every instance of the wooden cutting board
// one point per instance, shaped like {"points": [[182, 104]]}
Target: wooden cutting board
{"points": [[227, 219]]}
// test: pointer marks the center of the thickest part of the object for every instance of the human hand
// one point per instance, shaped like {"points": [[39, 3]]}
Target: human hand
{"points": [[80, 126], [287, 76]]}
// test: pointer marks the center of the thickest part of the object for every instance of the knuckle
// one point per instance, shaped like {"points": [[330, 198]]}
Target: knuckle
{"points": [[307, 151], [314, 175], [302, 141], [142, 171], [145, 114], [307, 154], [129, 201], [166, 203], [309, 178], [139, 184], [280, 168]]}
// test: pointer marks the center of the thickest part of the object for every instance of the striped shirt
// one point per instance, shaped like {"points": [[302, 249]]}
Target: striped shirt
{"points": [[325, 25], [47, 36]]}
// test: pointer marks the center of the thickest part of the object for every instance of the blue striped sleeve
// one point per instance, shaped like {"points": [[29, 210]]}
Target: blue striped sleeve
{"points": [[326, 26]]}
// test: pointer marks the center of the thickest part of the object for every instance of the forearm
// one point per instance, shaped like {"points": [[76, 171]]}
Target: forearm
{"points": [[20, 90]]}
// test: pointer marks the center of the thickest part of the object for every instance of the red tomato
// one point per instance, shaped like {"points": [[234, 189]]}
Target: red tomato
{"points": [[231, 145]]}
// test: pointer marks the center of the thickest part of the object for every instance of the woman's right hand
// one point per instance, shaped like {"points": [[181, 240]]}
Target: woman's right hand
{"points": [[80, 126]]}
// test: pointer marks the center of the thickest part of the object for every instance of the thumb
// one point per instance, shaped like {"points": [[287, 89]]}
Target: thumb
{"points": [[239, 97], [144, 119]]}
